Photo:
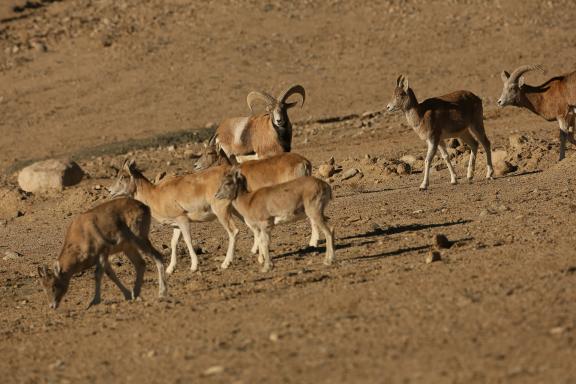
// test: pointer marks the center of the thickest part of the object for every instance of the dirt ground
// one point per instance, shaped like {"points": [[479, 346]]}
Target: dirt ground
{"points": [[499, 307]]}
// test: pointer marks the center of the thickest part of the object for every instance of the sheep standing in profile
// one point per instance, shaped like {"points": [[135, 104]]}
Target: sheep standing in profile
{"points": [[553, 100], [282, 203], [456, 115], [258, 136]]}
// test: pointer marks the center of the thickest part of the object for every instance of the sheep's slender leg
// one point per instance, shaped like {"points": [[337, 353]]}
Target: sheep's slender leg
{"points": [[98, 283], [264, 245], [328, 232], [565, 133], [144, 246], [315, 235], [184, 226], [173, 250], [112, 275], [225, 217], [444, 154], [488, 150], [427, 162], [256, 233], [479, 134], [139, 266], [470, 141]]}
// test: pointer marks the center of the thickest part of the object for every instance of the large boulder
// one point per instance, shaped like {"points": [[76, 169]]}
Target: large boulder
{"points": [[49, 175]]}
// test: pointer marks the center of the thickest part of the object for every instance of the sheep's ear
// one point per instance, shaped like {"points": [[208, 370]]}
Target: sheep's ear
{"points": [[236, 173], [399, 80], [57, 269], [504, 76], [129, 166], [405, 84], [291, 105], [42, 271]]}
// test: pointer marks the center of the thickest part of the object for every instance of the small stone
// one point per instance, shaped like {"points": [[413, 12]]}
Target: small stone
{"points": [[171, 148], [191, 154], [433, 256], [403, 169], [557, 330], [350, 173], [326, 170], [485, 212], [442, 242], [408, 159], [214, 370], [97, 187], [274, 337], [151, 353], [11, 255], [517, 142], [58, 364]]}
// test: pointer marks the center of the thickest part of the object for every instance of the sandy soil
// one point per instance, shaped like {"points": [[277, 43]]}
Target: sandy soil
{"points": [[498, 307]]}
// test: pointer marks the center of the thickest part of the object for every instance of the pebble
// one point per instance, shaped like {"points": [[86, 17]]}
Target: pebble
{"points": [[58, 364], [408, 159], [274, 337], [214, 370], [11, 255], [433, 256], [403, 169], [350, 173]]}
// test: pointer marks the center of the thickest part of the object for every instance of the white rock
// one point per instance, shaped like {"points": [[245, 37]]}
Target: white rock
{"points": [[350, 173], [216, 369], [408, 159], [49, 175], [11, 255]]}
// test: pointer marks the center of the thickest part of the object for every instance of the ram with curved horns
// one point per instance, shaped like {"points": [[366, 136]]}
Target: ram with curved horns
{"points": [[258, 136], [553, 100]]}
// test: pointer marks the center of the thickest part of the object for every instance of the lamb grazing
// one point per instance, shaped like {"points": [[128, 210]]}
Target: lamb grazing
{"points": [[553, 100], [119, 225], [259, 136], [291, 201], [455, 115], [178, 201]]}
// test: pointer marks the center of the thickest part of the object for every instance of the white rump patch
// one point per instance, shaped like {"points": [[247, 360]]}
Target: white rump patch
{"points": [[238, 129]]}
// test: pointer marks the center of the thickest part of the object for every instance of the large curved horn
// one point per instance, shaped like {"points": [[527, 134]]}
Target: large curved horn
{"points": [[292, 90], [522, 70], [255, 95]]}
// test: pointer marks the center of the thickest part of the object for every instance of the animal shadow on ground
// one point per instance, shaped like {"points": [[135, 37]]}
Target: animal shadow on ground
{"points": [[373, 233], [404, 228]]}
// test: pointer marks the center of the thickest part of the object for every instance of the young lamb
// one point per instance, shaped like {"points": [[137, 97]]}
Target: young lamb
{"points": [[119, 225], [287, 202]]}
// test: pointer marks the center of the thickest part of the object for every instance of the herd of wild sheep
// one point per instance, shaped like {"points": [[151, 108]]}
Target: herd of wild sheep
{"points": [[247, 170]]}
